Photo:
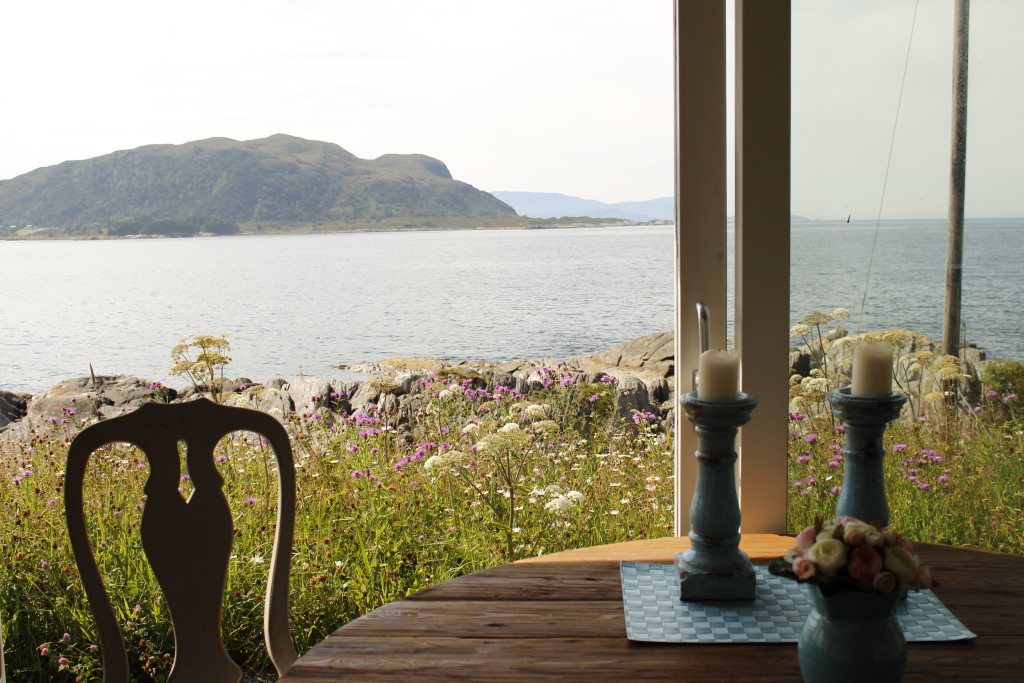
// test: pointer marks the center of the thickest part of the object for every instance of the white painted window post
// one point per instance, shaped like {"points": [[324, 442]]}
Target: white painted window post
{"points": [[762, 235]]}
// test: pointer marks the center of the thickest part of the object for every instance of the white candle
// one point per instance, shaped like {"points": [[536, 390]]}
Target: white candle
{"points": [[872, 370], [718, 378]]}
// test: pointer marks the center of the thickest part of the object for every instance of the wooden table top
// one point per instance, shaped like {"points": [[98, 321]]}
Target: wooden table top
{"points": [[560, 617]]}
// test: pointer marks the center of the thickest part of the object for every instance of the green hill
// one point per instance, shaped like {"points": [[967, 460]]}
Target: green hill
{"points": [[276, 183]]}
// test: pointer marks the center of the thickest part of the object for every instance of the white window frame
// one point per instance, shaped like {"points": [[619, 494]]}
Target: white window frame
{"points": [[762, 236]]}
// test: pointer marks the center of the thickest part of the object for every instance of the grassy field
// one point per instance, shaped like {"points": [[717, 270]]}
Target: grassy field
{"points": [[478, 477]]}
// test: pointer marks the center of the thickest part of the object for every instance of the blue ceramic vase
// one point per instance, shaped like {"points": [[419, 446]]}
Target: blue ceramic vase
{"points": [[852, 636]]}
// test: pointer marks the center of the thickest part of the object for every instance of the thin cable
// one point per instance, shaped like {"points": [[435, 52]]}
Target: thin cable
{"points": [[888, 164]]}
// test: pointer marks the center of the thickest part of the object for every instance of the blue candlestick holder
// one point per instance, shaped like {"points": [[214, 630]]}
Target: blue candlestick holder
{"points": [[714, 568], [865, 419]]}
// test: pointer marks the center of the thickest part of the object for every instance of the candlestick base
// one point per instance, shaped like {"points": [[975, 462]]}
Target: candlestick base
{"points": [[720, 582]]}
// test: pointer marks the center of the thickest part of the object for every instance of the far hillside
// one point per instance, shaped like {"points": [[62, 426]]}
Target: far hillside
{"points": [[222, 185]]}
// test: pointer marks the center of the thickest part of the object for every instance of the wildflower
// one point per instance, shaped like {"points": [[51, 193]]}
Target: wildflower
{"points": [[1009, 397], [593, 397], [44, 565], [535, 411], [799, 330], [899, 448], [924, 486], [356, 474], [559, 505], [797, 416], [43, 650], [811, 438], [67, 637], [942, 479], [15, 480], [510, 427], [250, 500], [222, 458], [991, 394], [608, 379], [922, 419], [977, 409], [256, 559]]}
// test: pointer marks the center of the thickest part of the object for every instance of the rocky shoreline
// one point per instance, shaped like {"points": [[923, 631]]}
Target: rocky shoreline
{"points": [[643, 369]]}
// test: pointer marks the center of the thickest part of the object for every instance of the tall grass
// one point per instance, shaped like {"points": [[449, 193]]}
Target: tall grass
{"points": [[388, 504]]}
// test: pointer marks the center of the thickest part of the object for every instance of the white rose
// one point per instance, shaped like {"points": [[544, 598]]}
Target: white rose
{"points": [[829, 555], [901, 563], [884, 582]]}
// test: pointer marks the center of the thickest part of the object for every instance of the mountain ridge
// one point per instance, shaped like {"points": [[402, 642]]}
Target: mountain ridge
{"points": [[557, 205], [276, 182]]}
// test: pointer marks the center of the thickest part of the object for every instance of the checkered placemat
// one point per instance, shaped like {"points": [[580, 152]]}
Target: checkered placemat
{"points": [[654, 612]]}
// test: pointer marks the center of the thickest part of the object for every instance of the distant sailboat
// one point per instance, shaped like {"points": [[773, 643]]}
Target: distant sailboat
{"points": [[848, 218]]}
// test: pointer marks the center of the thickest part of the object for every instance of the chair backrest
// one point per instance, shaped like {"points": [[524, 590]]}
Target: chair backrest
{"points": [[188, 544]]}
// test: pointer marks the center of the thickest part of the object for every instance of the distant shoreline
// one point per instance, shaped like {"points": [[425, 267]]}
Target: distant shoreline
{"points": [[604, 223]]}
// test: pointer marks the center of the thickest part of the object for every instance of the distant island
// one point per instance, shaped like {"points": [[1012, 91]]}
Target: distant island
{"points": [[221, 186]]}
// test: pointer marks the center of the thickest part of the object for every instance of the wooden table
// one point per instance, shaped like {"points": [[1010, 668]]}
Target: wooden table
{"points": [[560, 617]]}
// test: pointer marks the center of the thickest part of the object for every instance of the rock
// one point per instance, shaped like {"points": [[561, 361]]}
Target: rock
{"points": [[306, 391], [12, 407]]}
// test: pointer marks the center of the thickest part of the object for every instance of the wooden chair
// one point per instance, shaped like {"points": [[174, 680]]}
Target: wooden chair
{"points": [[188, 544]]}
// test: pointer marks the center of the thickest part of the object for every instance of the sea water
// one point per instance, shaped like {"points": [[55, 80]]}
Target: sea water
{"points": [[297, 305]]}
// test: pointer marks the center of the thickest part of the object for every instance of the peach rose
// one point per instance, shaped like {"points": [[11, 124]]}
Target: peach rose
{"points": [[804, 568]]}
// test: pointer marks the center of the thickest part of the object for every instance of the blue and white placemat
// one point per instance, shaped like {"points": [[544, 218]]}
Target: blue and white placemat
{"points": [[654, 612]]}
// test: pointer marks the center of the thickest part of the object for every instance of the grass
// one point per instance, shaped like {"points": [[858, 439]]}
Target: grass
{"points": [[467, 476], [472, 477]]}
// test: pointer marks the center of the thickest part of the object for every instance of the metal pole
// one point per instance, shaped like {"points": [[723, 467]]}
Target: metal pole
{"points": [[957, 184]]}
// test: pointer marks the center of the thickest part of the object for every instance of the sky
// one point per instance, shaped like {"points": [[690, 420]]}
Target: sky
{"points": [[568, 96]]}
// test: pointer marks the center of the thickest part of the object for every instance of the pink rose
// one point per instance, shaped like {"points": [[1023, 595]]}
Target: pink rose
{"points": [[804, 568], [806, 538], [865, 563]]}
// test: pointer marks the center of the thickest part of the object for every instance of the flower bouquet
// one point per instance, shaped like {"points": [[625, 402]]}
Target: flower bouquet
{"points": [[845, 553], [855, 574]]}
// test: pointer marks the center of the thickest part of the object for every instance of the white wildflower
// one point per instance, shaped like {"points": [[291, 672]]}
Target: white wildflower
{"points": [[559, 505], [510, 427]]}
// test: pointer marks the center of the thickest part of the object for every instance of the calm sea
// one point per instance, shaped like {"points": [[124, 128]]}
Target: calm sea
{"points": [[301, 304]]}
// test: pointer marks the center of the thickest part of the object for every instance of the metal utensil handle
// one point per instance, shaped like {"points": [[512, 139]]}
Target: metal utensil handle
{"points": [[702, 335]]}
